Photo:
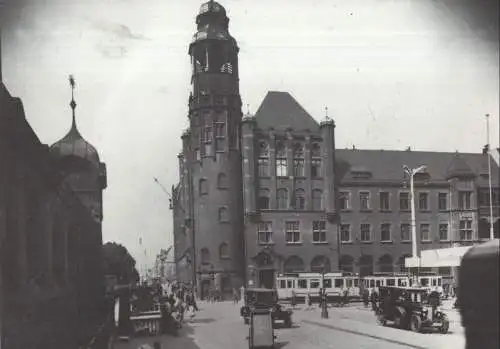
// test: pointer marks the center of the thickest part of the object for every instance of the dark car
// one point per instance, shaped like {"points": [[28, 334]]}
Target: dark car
{"points": [[268, 299], [410, 308]]}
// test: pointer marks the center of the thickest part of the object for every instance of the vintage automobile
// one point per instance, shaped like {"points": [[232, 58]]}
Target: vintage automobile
{"points": [[258, 298], [410, 308]]}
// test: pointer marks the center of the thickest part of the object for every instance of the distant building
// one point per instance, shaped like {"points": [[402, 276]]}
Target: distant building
{"points": [[51, 282], [269, 193]]}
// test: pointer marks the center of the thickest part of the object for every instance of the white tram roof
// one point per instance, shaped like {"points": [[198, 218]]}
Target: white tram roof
{"points": [[309, 275]]}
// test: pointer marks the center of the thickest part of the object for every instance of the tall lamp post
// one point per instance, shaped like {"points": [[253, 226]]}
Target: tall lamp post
{"points": [[492, 234], [411, 173], [324, 303]]}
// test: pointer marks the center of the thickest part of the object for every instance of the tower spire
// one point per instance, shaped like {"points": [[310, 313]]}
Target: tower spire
{"points": [[72, 104]]}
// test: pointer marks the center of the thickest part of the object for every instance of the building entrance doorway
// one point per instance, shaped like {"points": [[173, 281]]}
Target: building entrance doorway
{"points": [[205, 287], [266, 278]]}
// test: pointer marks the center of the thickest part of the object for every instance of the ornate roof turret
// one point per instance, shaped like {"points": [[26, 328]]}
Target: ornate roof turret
{"points": [[213, 23], [327, 121], [73, 144]]}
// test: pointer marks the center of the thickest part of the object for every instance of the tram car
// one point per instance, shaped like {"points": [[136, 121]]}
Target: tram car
{"points": [[303, 284], [336, 283]]}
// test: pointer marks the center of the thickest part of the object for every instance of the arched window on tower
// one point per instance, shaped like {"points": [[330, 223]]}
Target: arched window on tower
{"points": [[224, 250], [263, 167], [220, 131], [223, 214], [205, 256], [281, 160], [222, 181], [203, 187]]}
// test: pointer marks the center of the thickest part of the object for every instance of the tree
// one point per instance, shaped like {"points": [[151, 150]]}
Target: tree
{"points": [[119, 262]]}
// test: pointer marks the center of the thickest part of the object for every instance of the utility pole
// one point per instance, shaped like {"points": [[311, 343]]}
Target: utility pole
{"points": [[492, 234]]}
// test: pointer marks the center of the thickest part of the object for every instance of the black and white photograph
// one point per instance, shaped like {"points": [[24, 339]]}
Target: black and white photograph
{"points": [[247, 174]]}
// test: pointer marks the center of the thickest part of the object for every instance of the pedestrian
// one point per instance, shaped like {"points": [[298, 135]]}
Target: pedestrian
{"points": [[374, 299], [345, 299], [294, 299], [366, 295], [308, 301], [235, 296]]}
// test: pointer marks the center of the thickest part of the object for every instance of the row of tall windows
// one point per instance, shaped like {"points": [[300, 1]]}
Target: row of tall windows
{"points": [[283, 201], [422, 201], [404, 230], [293, 232], [281, 161]]}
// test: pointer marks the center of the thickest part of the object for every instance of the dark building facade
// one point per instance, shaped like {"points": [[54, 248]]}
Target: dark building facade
{"points": [[51, 283], [269, 193]]}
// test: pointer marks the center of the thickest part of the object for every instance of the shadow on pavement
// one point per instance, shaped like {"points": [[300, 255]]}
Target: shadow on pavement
{"points": [[184, 340], [200, 321], [279, 345]]}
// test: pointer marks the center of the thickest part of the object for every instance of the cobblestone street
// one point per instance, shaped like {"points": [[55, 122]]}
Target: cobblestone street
{"points": [[219, 326]]}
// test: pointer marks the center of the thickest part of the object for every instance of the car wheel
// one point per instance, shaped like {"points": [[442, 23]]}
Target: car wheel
{"points": [[416, 323], [381, 320], [445, 324]]}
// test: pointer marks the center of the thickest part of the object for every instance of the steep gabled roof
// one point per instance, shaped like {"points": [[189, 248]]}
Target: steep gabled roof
{"points": [[279, 110], [387, 165]]}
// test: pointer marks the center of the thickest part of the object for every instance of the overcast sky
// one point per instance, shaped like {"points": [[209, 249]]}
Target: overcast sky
{"points": [[393, 73]]}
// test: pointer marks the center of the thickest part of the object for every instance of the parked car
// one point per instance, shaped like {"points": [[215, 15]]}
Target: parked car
{"points": [[411, 308], [265, 298]]}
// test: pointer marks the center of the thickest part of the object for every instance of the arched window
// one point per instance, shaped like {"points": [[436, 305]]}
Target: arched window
{"points": [[365, 265], [315, 161], [223, 214], [315, 150], [386, 264], [282, 199], [401, 263], [264, 200], [293, 264], [263, 149], [263, 162], [320, 264], [224, 250], [281, 160], [203, 187], [205, 256], [298, 160], [317, 200], [300, 199], [346, 263], [222, 181]]}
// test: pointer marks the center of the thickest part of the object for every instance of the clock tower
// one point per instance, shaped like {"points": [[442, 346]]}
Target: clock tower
{"points": [[211, 149]]}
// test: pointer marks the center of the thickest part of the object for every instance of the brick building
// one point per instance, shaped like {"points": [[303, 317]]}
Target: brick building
{"points": [[51, 285], [269, 193]]}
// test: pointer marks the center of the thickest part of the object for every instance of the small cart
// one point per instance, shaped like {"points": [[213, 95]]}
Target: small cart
{"points": [[261, 333]]}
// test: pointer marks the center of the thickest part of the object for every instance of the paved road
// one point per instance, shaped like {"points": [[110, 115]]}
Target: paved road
{"points": [[219, 326]]}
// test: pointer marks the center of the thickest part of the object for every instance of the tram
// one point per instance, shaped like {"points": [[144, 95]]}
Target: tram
{"points": [[336, 283]]}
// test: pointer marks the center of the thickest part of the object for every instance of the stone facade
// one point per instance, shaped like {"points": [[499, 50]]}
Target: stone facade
{"points": [[293, 202], [51, 284]]}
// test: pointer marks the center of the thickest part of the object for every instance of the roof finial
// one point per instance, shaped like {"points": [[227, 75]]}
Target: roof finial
{"points": [[327, 118], [248, 109], [72, 104]]}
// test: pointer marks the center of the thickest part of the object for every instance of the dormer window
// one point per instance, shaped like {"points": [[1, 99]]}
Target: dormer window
{"points": [[361, 174]]}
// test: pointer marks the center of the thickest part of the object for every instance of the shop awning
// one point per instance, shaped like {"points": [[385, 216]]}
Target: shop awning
{"points": [[445, 257]]}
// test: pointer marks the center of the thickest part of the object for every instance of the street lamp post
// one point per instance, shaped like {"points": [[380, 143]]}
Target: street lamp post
{"points": [[411, 173], [492, 234], [324, 303]]}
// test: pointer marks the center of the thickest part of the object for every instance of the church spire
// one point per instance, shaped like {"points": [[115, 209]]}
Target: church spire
{"points": [[72, 104]]}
